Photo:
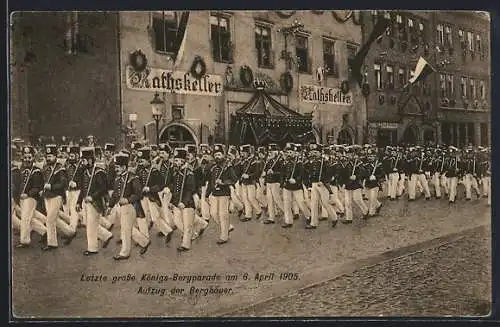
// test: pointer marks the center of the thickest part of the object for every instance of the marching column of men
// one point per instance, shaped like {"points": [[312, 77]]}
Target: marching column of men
{"points": [[56, 190]]}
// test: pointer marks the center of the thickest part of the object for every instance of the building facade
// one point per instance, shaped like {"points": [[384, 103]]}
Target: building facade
{"points": [[234, 48], [64, 75], [450, 106]]}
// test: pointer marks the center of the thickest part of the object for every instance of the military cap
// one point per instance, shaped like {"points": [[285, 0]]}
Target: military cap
{"points": [[233, 150], [261, 149], [204, 147], [126, 152], [245, 148], [290, 147], [74, 149], [88, 152], [298, 147], [144, 153], [218, 148], [122, 159], [315, 147], [51, 149], [28, 150], [109, 147], [136, 145], [273, 147], [63, 148], [180, 153], [154, 147]]}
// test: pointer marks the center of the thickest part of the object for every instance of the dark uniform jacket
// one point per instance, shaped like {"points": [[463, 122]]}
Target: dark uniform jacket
{"points": [[74, 171], [453, 168], [32, 185], [155, 184], [377, 171], [166, 170], [226, 174], [316, 167], [288, 172], [55, 176], [276, 165], [97, 190], [130, 185], [359, 172], [201, 174], [252, 167], [183, 186], [16, 183]]}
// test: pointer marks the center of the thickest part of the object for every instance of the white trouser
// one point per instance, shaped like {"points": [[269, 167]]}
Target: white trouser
{"points": [[158, 218], [103, 233], [250, 200], [357, 197], [128, 232], [92, 227], [145, 208], [52, 206], [320, 195], [36, 225], [291, 197], [236, 202], [401, 184], [142, 227], [205, 207], [335, 198], [392, 185], [437, 184], [486, 181], [445, 183], [373, 202], [187, 216], [273, 199], [219, 210], [71, 202], [261, 192], [422, 179], [470, 182], [453, 181], [28, 207]]}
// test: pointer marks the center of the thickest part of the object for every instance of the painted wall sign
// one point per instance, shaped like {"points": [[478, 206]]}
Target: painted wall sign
{"points": [[325, 95], [161, 80], [384, 125]]}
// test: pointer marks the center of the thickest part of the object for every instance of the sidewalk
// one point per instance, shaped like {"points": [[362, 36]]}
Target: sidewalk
{"points": [[48, 284]]}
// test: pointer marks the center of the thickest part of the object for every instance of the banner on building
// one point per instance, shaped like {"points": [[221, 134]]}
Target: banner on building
{"points": [[384, 125], [324, 95], [161, 80]]}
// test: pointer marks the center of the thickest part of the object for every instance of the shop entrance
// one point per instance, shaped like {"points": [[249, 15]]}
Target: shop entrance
{"points": [[345, 137], [178, 135], [429, 136], [386, 137], [410, 135]]}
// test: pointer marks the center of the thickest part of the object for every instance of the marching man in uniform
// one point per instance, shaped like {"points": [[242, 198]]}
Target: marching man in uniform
{"points": [[56, 182], [249, 177], [31, 185], [93, 191], [74, 172], [272, 176], [353, 187], [220, 178], [127, 192]]}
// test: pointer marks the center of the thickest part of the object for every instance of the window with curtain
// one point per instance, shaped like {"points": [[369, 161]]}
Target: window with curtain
{"points": [[401, 77], [472, 84], [302, 52], [378, 75], [165, 26], [390, 76], [442, 85], [478, 43], [221, 38], [482, 90], [463, 86], [470, 41], [263, 45], [329, 57], [450, 91], [351, 53], [449, 36]]}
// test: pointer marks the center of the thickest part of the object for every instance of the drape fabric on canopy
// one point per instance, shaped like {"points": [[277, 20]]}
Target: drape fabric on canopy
{"points": [[264, 120]]}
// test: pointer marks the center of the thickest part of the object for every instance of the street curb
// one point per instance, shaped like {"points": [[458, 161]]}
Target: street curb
{"points": [[351, 267]]}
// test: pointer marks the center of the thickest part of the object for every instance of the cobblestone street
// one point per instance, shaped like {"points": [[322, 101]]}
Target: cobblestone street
{"points": [[453, 279], [50, 284]]}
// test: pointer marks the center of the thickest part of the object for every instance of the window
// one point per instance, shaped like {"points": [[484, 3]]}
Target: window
{"points": [[165, 25], [390, 77], [378, 76], [440, 33], [461, 35], [351, 53], [478, 43], [177, 111], [221, 38], [329, 57], [450, 91], [374, 16], [263, 46], [421, 27], [463, 86], [470, 41], [302, 51], [482, 90], [399, 19], [401, 77], [449, 36], [472, 88], [442, 85], [410, 23]]}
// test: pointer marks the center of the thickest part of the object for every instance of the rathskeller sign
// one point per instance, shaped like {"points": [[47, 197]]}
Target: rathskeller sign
{"points": [[161, 80], [324, 95]]}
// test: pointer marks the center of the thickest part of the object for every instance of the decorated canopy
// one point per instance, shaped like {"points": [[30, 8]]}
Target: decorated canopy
{"points": [[264, 120]]}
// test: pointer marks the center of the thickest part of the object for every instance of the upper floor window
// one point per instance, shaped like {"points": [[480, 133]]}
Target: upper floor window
{"points": [[470, 41], [442, 84], [401, 77], [449, 36], [221, 38], [351, 53], [482, 90], [165, 26], [478, 43], [390, 77], [399, 19], [263, 45], [410, 23], [450, 90], [302, 52], [378, 75], [440, 33], [329, 57], [463, 86], [472, 88], [177, 111]]}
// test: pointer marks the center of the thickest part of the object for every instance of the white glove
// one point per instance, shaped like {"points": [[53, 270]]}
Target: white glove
{"points": [[353, 177], [292, 181], [145, 189], [245, 176], [47, 186], [372, 178], [72, 184]]}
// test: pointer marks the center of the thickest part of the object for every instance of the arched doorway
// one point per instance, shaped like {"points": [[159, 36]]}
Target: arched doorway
{"points": [[345, 136], [429, 136], [178, 135], [410, 135]]}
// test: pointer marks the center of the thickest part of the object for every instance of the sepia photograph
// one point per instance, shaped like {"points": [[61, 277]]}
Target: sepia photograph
{"points": [[242, 163]]}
